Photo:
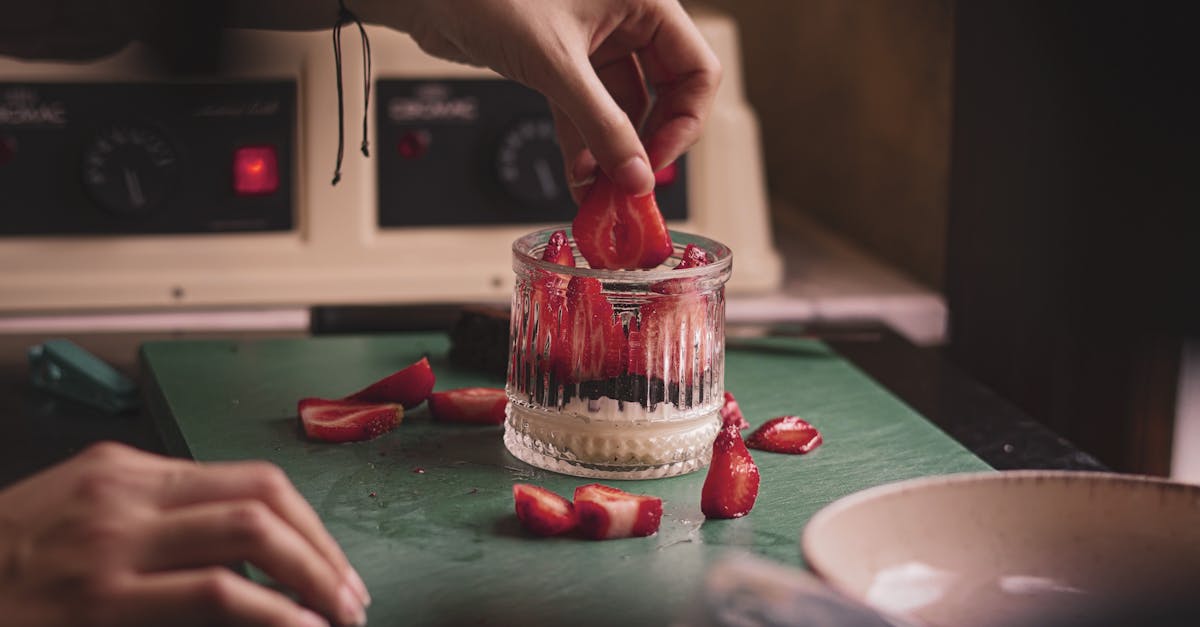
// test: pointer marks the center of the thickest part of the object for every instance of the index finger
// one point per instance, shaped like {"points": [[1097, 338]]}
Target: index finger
{"points": [[684, 73]]}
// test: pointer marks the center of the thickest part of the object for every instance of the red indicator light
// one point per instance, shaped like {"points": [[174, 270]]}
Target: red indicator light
{"points": [[413, 144], [255, 170], [667, 175]]}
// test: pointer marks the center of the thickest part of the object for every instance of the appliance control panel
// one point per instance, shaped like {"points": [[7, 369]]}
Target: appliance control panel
{"points": [[146, 158], [478, 152]]}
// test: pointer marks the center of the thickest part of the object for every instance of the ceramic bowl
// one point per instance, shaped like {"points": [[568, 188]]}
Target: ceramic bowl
{"points": [[1011, 548]]}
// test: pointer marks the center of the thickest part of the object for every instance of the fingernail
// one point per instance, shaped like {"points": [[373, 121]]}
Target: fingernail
{"points": [[356, 582], [352, 608], [583, 173], [308, 618], [634, 177]]}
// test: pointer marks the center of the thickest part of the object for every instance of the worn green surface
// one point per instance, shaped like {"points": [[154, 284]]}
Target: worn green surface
{"points": [[443, 547]]}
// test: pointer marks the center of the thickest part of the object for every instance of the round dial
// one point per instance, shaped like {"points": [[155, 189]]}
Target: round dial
{"points": [[129, 169], [530, 166]]}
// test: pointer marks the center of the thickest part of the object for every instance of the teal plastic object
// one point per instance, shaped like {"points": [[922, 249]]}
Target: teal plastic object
{"points": [[425, 512], [66, 369]]}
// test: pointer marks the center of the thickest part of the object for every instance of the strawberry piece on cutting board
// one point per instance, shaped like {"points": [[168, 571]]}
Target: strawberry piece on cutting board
{"points": [[347, 421], [542, 511], [731, 486], [472, 405], [408, 387], [785, 434], [607, 513], [620, 232]]}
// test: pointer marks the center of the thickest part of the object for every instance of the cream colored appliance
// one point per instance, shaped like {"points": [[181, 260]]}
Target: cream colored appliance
{"points": [[267, 229]]}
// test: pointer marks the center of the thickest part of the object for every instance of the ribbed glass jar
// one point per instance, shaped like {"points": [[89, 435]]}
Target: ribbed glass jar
{"points": [[616, 374]]}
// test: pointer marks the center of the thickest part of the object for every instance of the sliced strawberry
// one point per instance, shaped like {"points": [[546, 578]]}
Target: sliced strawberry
{"points": [[542, 321], [693, 257], [606, 512], [475, 405], [731, 486], [732, 414], [558, 250], [542, 511], [671, 339], [591, 341], [347, 421], [620, 232], [407, 387], [785, 434]]}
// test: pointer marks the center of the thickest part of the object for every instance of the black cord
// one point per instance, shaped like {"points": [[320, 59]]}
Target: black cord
{"points": [[346, 16]]}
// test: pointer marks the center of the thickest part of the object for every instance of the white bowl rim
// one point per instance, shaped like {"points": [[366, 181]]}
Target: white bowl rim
{"points": [[852, 500]]}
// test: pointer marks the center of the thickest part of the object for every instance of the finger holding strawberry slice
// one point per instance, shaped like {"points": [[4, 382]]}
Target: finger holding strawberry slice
{"points": [[616, 231]]}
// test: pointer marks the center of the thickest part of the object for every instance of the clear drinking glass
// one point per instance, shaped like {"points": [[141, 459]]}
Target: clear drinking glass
{"points": [[616, 374]]}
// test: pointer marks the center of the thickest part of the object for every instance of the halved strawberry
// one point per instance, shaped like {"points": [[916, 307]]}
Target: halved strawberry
{"points": [[558, 250], [731, 486], [474, 405], [732, 414], [785, 434], [606, 512], [620, 232], [693, 257], [671, 339], [591, 341], [407, 387], [542, 511], [347, 421]]}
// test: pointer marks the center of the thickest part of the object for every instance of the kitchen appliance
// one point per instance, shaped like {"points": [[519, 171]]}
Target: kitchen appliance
{"points": [[125, 189]]}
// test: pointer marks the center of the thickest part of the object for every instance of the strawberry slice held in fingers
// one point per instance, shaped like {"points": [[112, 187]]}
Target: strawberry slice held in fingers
{"points": [[731, 413], [785, 434], [731, 486], [606, 513], [542, 511], [408, 387], [477, 405], [330, 420], [620, 232]]}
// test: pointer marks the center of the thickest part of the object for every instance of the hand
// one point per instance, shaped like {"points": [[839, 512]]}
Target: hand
{"points": [[593, 60], [116, 536]]}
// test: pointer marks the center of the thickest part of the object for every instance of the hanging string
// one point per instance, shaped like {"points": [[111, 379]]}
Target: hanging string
{"points": [[346, 16]]}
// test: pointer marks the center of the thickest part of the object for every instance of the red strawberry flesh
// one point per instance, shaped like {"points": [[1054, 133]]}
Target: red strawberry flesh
{"points": [[591, 342], [731, 486], [408, 387], [542, 511], [607, 513], [347, 421], [558, 250], [731, 413], [620, 232], [693, 257], [785, 434], [476, 405]]}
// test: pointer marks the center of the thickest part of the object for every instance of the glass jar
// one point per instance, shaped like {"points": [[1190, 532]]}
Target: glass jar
{"points": [[616, 374]]}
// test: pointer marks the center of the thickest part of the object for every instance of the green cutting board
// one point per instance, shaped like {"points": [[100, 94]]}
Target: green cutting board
{"points": [[425, 512]]}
